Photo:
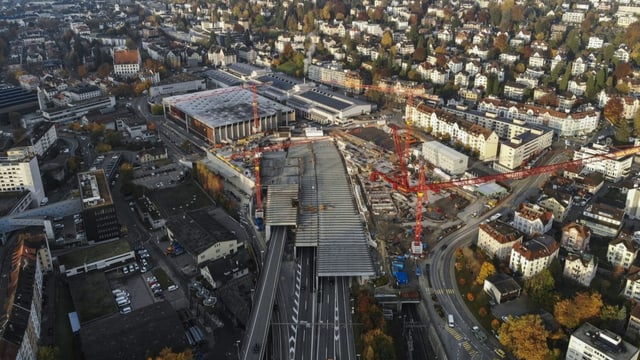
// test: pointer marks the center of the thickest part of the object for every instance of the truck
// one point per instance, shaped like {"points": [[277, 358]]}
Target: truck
{"points": [[450, 320]]}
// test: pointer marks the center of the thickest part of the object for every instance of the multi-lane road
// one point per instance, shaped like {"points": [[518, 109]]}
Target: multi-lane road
{"points": [[459, 341]]}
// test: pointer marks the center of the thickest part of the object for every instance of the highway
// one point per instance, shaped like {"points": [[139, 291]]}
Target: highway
{"points": [[334, 337], [459, 341], [255, 337]]}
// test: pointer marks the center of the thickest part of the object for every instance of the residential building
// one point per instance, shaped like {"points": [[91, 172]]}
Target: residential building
{"points": [[573, 17], [221, 56], [632, 284], [622, 251], [501, 288], [496, 238], [531, 257], [633, 327], [126, 63], [98, 211], [523, 148], [563, 123], [445, 158], [19, 171], [152, 154], [479, 139], [514, 91], [39, 139], [558, 202], [590, 342], [632, 203], [532, 219], [81, 92], [595, 42], [604, 220], [21, 325], [613, 168], [581, 268], [575, 237]]}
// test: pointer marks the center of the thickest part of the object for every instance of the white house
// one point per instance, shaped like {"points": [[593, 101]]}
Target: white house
{"points": [[496, 238], [581, 268], [531, 257], [532, 219], [622, 251]]}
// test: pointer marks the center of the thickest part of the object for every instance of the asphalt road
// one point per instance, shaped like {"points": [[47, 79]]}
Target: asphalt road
{"points": [[442, 276]]}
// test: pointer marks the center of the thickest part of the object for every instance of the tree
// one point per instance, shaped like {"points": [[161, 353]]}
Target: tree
{"points": [[573, 41], [48, 353], [622, 69], [572, 312], [378, 346], [613, 312], [613, 110], [126, 171], [387, 40], [540, 288], [157, 109], [487, 269], [103, 148], [104, 70], [501, 42], [82, 71], [636, 123], [525, 337], [420, 54], [168, 354]]}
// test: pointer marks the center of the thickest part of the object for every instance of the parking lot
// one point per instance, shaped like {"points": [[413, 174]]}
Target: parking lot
{"points": [[158, 177]]}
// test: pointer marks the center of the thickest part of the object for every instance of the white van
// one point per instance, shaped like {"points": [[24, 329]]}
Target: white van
{"points": [[451, 323]]}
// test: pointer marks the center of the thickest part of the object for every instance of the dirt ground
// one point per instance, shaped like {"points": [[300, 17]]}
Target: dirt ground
{"points": [[374, 135]]}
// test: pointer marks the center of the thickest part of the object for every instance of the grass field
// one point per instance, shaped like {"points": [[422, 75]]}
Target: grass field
{"points": [[92, 295], [186, 196]]}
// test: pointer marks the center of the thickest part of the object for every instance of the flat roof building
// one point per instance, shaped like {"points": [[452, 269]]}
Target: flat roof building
{"points": [[98, 211], [222, 115], [18, 172], [445, 158], [590, 342]]}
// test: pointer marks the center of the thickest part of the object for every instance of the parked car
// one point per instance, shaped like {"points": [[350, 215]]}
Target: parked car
{"points": [[125, 310], [173, 287]]}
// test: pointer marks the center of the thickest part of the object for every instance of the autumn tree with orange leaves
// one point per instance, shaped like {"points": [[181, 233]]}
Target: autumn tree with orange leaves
{"points": [[525, 337], [573, 312]]}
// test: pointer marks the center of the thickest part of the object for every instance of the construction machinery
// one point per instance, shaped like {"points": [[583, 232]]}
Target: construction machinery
{"points": [[422, 187]]}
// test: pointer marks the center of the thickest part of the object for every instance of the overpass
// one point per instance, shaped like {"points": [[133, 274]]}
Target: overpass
{"points": [[255, 337], [38, 217]]}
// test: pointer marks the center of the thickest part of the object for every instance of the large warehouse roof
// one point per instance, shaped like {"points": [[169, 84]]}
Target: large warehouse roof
{"points": [[328, 216], [221, 107]]}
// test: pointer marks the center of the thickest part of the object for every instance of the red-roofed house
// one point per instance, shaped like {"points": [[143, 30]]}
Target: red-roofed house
{"points": [[531, 257], [532, 219], [126, 63]]}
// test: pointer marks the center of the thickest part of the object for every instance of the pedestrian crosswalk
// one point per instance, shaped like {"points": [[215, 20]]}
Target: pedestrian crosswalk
{"points": [[470, 349], [440, 291], [454, 333]]}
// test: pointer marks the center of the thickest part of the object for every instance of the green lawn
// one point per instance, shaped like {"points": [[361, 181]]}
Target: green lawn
{"points": [[94, 253], [92, 295], [164, 279]]}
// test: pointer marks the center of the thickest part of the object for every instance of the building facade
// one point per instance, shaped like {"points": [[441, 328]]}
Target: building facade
{"points": [[531, 257], [622, 251], [126, 63], [590, 342], [496, 238], [98, 211], [581, 268], [445, 158], [613, 169], [532, 219], [20, 171], [575, 237]]}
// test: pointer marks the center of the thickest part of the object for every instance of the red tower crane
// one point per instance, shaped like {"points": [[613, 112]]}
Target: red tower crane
{"points": [[422, 187]]}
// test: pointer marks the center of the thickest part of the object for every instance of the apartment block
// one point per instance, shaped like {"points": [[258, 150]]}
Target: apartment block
{"points": [[531, 257], [19, 171], [496, 238], [477, 138], [613, 168]]}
